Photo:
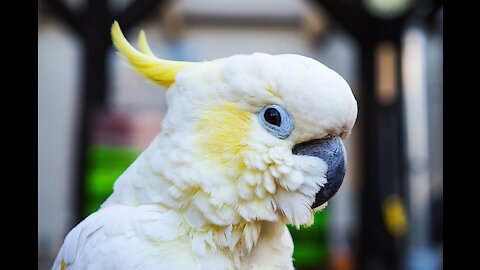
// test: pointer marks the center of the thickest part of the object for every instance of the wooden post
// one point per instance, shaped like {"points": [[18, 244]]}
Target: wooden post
{"points": [[92, 25]]}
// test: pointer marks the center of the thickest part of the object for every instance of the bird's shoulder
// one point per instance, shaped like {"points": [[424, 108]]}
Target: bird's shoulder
{"points": [[120, 234]]}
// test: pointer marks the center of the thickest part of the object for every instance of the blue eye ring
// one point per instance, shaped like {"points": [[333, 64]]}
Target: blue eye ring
{"points": [[276, 120]]}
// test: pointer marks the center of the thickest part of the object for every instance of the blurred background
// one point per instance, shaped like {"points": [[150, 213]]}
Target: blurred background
{"points": [[95, 115]]}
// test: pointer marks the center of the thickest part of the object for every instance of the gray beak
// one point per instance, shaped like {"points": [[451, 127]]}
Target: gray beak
{"points": [[332, 151]]}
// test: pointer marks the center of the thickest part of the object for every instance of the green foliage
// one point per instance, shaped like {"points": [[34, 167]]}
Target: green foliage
{"points": [[311, 242], [105, 165]]}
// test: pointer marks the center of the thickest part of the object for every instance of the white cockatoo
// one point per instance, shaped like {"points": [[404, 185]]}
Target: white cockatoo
{"points": [[249, 144]]}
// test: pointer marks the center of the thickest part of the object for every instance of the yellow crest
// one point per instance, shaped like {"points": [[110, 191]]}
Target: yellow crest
{"points": [[144, 61]]}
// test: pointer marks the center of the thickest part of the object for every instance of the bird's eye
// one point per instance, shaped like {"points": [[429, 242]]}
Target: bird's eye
{"points": [[276, 120], [273, 116]]}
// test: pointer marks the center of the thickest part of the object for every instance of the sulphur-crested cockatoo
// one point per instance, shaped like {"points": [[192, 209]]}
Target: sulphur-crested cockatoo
{"points": [[249, 144]]}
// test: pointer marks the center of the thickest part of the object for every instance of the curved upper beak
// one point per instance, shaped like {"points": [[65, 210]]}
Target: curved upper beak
{"points": [[332, 151]]}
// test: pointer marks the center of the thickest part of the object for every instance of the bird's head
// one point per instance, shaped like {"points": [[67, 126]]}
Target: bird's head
{"points": [[249, 137]]}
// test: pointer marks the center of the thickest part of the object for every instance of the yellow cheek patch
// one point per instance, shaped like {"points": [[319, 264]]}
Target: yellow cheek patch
{"points": [[224, 133]]}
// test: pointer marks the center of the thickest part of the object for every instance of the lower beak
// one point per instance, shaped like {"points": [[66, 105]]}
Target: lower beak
{"points": [[332, 151]]}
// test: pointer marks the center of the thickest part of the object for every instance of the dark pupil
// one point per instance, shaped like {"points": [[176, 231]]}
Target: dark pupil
{"points": [[273, 117]]}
